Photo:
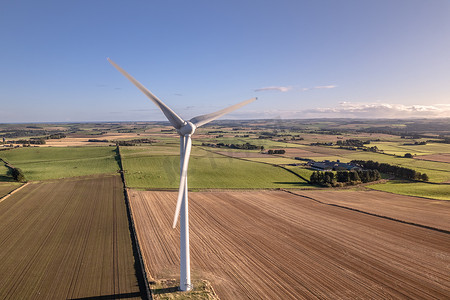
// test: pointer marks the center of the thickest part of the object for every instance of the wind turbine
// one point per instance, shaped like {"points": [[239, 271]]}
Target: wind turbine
{"points": [[185, 129]]}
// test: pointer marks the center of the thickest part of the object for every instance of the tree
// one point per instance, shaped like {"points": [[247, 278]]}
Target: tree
{"points": [[388, 169], [314, 178], [326, 178], [16, 174], [408, 155], [354, 176], [374, 175], [329, 177], [342, 176]]}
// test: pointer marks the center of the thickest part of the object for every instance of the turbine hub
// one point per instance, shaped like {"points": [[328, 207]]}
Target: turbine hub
{"points": [[187, 129]]}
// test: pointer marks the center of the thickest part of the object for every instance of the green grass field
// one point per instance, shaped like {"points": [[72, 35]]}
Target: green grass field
{"points": [[157, 166], [274, 160], [268, 144], [157, 149], [437, 171], [418, 189], [150, 168], [305, 173], [398, 148], [53, 163], [4, 176]]}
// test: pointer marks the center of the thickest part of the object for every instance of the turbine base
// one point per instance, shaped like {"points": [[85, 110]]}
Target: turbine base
{"points": [[187, 287]]}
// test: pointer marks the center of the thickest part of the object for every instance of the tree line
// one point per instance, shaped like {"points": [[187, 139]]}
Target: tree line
{"points": [[246, 146], [133, 142], [55, 136], [7, 134], [276, 151], [352, 143], [29, 142], [124, 143], [397, 171], [343, 178], [14, 172], [36, 141]]}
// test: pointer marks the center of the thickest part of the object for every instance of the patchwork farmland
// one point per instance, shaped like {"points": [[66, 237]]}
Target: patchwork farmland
{"points": [[69, 238], [66, 239], [277, 245]]}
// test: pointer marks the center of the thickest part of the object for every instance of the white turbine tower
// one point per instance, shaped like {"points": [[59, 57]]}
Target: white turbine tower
{"points": [[185, 129]]}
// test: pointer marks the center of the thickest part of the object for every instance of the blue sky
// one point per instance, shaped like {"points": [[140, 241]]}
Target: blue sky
{"points": [[302, 59]]}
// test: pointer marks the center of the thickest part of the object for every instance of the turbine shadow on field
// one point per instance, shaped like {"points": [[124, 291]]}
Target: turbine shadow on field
{"points": [[113, 296], [166, 290]]}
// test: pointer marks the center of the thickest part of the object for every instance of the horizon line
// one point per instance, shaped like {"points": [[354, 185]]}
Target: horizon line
{"points": [[249, 119]]}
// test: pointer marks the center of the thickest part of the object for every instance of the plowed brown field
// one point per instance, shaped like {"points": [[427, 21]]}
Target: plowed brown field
{"points": [[67, 239], [7, 187], [443, 157], [276, 245], [432, 213], [294, 152]]}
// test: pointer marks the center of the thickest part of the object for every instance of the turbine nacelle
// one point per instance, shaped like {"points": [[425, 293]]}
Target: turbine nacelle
{"points": [[187, 129]]}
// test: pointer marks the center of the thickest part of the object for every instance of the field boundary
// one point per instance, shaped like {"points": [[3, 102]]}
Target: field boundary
{"points": [[424, 159], [13, 191], [139, 262], [371, 214], [260, 162], [416, 196], [7, 164]]}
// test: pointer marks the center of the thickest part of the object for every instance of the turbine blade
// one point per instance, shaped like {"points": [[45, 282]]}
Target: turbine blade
{"points": [[173, 118], [183, 176], [203, 119]]}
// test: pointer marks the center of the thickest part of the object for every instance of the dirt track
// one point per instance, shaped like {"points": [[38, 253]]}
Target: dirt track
{"points": [[274, 245]]}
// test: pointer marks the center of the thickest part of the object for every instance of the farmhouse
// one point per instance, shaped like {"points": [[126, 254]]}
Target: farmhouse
{"points": [[327, 165]]}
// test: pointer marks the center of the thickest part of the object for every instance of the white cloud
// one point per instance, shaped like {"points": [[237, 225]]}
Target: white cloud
{"points": [[288, 88], [320, 87], [381, 110], [274, 88], [331, 86], [362, 110]]}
